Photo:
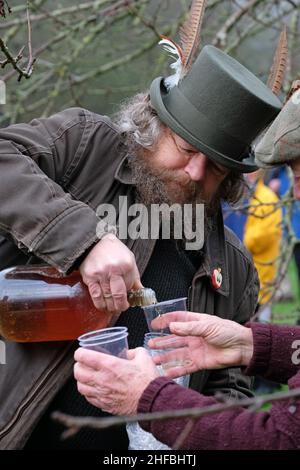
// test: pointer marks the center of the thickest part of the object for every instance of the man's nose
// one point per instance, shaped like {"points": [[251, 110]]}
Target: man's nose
{"points": [[196, 167]]}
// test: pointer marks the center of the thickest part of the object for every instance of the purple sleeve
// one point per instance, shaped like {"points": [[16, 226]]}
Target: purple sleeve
{"points": [[276, 354], [233, 429]]}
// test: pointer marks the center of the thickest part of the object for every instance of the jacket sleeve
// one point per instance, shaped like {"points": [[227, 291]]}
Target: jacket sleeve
{"points": [[235, 429], [35, 211], [276, 354]]}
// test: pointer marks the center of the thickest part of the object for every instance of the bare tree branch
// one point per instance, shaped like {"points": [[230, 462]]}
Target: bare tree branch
{"points": [[221, 36], [77, 423], [3, 6], [14, 60]]}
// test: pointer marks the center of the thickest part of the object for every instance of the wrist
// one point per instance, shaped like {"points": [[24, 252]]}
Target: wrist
{"points": [[77, 264], [247, 346]]}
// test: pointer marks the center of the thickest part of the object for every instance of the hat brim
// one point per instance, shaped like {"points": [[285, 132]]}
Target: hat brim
{"points": [[246, 165]]}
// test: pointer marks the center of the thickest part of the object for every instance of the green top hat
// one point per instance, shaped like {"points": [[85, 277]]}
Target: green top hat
{"points": [[219, 107]]}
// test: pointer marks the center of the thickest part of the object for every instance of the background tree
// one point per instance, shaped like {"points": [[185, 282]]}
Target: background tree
{"points": [[96, 53]]}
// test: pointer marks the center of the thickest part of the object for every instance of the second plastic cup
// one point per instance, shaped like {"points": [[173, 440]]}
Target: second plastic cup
{"points": [[138, 438], [153, 311], [111, 341], [183, 380]]}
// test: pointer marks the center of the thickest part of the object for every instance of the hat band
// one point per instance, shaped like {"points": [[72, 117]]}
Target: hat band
{"points": [[202, 129]]}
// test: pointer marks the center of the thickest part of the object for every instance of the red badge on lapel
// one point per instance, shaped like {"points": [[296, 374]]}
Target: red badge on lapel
{"points": [[216, 278]]}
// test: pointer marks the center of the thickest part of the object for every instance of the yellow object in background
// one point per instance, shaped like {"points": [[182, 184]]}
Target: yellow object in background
{"points": [[263, 235]]}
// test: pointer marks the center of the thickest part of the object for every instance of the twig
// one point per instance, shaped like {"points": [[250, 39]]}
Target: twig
{"points": [[220, 39], [3, 5], [14, 60], [56, 13], [31, 60], [148, 24], [77, 423], [255, 29], [183, 435]]}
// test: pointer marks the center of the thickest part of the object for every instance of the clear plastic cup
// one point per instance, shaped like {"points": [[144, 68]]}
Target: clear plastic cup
{"points": [[156, 310], [138, 438], [111, 341], [184, 380]]}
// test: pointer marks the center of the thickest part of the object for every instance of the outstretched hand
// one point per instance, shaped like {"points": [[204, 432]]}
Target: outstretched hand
{"points": [[200, 341]]}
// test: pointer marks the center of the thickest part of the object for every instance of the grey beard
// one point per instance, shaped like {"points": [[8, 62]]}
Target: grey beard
{"points": [[152, 188]]}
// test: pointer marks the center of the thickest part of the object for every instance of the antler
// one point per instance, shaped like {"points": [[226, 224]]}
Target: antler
{"points": [[190, 33], [276, 77]]}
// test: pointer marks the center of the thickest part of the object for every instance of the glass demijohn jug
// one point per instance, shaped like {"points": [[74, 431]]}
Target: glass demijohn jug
{"points": [[37, 303]]}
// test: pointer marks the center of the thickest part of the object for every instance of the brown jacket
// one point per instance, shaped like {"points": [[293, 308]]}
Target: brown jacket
{"points": [[54, 174]]}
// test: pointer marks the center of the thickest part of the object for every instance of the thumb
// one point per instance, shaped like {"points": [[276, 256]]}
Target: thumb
{"points": [[189, 328], [137, 279], [133, 353], [137, 284]]}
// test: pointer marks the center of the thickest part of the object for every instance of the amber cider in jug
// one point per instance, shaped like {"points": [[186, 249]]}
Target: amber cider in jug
{"points": [[37, 303]]}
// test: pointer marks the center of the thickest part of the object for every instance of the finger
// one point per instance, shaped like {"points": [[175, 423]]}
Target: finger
{"points": [[138, 353], [188, 328], [119, 293], [176, 364], [179, 371], [137, 283], [99, 361], [84, 375], [86, 390], [164, 320], [96, 295], [172, 357], [107, 295], [132, 281], [91, 359], [132, 353], [137, 279], [94, 402], [167, 342]]}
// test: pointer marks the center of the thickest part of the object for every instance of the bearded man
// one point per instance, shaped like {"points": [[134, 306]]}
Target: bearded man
{"points": [[185, 144]]}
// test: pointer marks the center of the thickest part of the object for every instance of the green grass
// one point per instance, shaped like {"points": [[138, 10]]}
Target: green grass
{"points": [[288, 312]]}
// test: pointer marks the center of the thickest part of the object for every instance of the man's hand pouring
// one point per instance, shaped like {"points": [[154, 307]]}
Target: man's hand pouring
{"points": [[110, 271]]}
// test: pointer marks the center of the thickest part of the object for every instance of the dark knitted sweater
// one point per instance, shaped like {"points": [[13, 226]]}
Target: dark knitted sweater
{"points": [[274, 348], [170, 273]]}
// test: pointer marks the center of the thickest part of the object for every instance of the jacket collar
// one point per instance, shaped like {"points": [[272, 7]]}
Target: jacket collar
{"points": [[214, 250], [215, 254]]}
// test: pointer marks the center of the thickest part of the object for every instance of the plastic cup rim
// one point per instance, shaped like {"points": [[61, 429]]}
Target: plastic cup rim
{"points": [[123, 330], [156, 333], [166, 302], [102, 341]]}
